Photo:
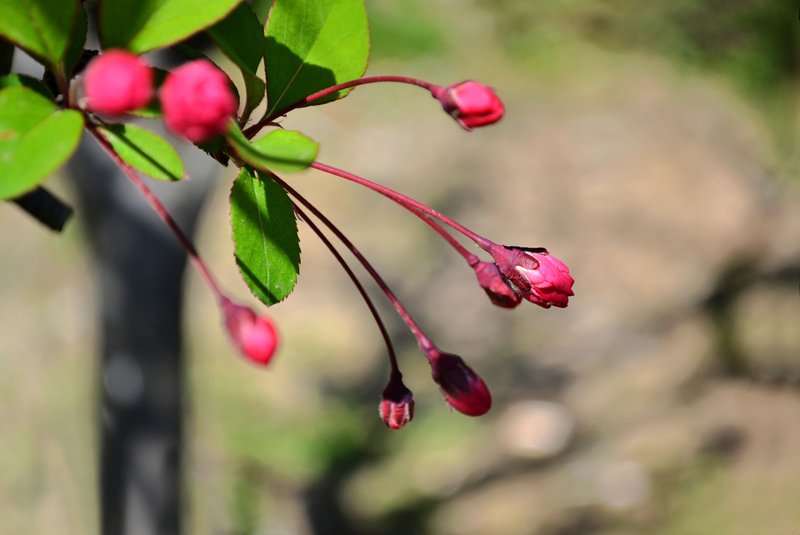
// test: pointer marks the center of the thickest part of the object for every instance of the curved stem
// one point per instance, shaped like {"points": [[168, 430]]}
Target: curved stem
{"points": [[426, 344], [160, 209], [269, 117], [359, 286], [469, 257], [406, 202]]}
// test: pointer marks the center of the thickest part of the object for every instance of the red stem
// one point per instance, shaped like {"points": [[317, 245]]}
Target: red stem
{"points": [[469, 257], [406, 202], [426, 344], [359, 286], [160, 210], [269, 117]]}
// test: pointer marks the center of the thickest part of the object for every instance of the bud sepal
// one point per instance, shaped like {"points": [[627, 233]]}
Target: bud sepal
{"points": [[496, 286], [462, 388], [397, 403]]}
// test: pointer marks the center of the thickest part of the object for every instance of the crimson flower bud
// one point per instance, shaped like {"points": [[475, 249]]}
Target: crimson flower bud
{"points": [[197, 101], [461, 387], [254, 336], [540, 278], [117, 82], [471, 104], [397, 403], [496, 285]]}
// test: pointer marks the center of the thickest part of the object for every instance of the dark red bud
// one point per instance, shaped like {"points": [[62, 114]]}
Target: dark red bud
{"points": [[397, 403], [496, 285], [461, 387], [254, 336]]}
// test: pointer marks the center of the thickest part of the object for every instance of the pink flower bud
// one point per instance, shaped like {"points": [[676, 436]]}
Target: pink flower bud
{"points": [[197, 101], [397, 403], [540, 278], [496, 285], [117, 82], [254, 336], [461, 387], [471, 104]]}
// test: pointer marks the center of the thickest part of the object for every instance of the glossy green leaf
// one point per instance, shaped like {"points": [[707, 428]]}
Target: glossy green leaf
{"points": [[265, 236], [14, 80], [143, 25], [40, 27], [145, 151], [312, 45], [35, 139], [241, 38], [284, 150]]}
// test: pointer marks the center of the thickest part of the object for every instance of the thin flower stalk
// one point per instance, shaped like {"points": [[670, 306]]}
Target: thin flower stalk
{"points": [[406, 202], [254, 129], [161, 210], [425, 343], [389, 348]]}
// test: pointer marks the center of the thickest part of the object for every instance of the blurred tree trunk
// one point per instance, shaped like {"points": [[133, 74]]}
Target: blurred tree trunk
{"points": [[139, 271]]}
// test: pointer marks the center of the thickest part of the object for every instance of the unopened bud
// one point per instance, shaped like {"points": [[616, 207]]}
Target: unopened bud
{"points": [[254, 336], [197, 101], [397, 403], [116, 83], [471, 104], [496, 285], [541, 278], [462, 388]]}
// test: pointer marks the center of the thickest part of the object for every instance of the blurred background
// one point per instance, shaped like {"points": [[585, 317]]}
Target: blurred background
{"points": [[651, 146]]}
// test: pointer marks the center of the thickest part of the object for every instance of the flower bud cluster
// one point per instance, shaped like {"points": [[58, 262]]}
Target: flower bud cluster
{"points": [[196, 98], [198, 104]]}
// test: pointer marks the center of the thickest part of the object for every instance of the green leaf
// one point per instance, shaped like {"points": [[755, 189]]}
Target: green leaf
{"points": [[191, 53], [241, 38], [15, 80], [142, 25], [77, 40], [145, 151], [285, 150], [35, 139], [313, 45], [40, 27], [265, 236], [212, 146]]}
